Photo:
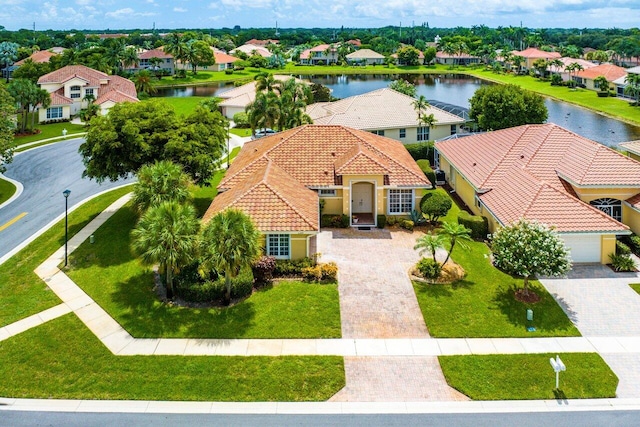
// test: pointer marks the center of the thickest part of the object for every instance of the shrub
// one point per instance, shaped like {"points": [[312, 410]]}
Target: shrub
{"points": [[622, 249], [334, 221], [321, 272], [434, 205], [633, 242], [228, 71], [429, 268], [407, 224], [425, 166], [180, 74], [416, 216], [381, 220], [556, 80], [263, 269], [241, 120], [392, 220], [213, 290], [312, 274], [329, 271], [478, 225], [622, 263], [421, 150], [291, 267]]}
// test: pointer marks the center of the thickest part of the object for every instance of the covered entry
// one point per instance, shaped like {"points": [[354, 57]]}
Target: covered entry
{"points": [[363, 203]]}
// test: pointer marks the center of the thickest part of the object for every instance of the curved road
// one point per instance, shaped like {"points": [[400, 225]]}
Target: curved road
{"points": [[45, 172]]}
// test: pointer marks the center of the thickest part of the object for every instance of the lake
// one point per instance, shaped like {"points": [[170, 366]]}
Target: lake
{"points": [[453, 89]]}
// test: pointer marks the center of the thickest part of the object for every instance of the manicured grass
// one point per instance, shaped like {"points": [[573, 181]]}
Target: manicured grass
{"points": [[240, 132], [51, 130], [23, 293], [204, 77], [203, 195], [483, 303], [635, 287], [184, 105], [7, 189], [529, 376], [369, 69], [114, 278], [63, 359]]}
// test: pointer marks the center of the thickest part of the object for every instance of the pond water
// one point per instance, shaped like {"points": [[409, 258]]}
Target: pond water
{"points": [[453, 89]]}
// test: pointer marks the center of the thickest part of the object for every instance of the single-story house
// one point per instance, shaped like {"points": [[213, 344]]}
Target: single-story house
{"points": [[281, 182], [588, 192], [621, 82], [531, 54], [237, 99], [71, 86], [37, 57], [250, 49], [609, 71], [223, 61], [456, 59], [365, 57], [387, 113], [562, 69]]}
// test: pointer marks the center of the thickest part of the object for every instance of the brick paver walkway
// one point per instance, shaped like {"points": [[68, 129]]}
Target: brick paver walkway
{"points": [[376, 296]]}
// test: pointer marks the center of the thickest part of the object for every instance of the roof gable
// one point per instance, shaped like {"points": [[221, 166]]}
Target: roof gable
{"points": [[361, 161]]}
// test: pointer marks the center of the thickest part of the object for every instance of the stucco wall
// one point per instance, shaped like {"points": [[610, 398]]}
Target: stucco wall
{"points": [[608, 246], [631, 217], [589, 194]]}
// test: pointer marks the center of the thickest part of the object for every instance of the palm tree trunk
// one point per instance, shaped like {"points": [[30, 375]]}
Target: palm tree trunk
{"points": [[227, 282], [453, 244], [169, 283]]}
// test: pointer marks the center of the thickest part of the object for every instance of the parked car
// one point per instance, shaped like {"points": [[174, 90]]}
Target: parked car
{"points": [[263, 132]]}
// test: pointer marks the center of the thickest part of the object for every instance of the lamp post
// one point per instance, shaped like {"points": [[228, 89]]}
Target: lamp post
{"points": [[66, 193]]}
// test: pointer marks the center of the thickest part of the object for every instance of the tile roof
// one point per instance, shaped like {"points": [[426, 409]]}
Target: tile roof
{"points": [[610, 71], [365, 54], [568, 61], [38, 57], [93, 77], [154, 53], [273, 199], [59, 99], [360, 160], [508, 167], [258, 42], [223, 58], [631, 147], [250, 48], [311, 154], [380, 109], [533, 53]]}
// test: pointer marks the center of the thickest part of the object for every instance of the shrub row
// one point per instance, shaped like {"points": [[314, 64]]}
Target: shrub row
{"points": [[291, 267], [421, 150], [321, 272], [633, 242], [334, 221], [194, 289], [425, 166], [478, 225]]}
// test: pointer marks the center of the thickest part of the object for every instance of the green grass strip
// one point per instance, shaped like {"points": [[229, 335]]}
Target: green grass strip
{"points": [[7, 189], [24, 293], [62, 359], [529, 376]]}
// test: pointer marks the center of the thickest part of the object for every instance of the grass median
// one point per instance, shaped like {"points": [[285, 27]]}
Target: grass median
{"points": [[7, 189]]}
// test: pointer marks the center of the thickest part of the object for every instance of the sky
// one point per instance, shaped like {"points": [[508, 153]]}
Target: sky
{"points": [[170, 14]]}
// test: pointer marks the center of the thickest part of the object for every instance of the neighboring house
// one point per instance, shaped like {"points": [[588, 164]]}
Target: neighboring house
{"points": [[388, 113], [531, 54], [562, 69], [456, 59], [167, 64], [323, 53], [365, 57], [223, 61], [398, 62], [40, 56], [250, 49], [356, 43], [621, 82], [588, 192], [280, 180], [237, 99], [257, 42], [71, 85], [609, 71]]}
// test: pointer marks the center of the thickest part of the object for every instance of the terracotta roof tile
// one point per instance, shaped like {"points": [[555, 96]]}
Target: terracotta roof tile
{"points": [[154, 53], [609, 71], [533, 53], [361, 161], [59, 99], [38, 57]]}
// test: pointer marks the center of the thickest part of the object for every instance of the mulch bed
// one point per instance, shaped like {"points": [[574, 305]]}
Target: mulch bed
{"points": [[528, 297]]}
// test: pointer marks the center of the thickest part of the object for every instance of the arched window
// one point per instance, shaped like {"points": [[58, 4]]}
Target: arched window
{"points": [[612, 207]]}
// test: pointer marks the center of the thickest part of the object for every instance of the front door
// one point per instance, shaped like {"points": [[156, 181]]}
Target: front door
{"points": [[362, 197]]}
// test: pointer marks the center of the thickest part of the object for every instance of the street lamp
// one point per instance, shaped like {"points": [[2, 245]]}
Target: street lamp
{"points": [[66, 193]]}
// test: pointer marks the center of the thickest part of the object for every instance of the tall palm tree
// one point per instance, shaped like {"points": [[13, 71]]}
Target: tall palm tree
{"points": [[420, 105], [230, 242], [266, 82], [142, 80], [454, 233], [8, 54], [430, 242], [41, 99], [517, 61], [632, 85], [167, 234], [176, 46], [130, 58], [159, 182], [264, 111]]}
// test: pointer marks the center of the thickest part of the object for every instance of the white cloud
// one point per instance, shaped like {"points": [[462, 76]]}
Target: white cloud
{"points": [[179, 9]]}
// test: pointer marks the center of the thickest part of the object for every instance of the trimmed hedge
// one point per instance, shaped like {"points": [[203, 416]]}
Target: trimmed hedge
{"points": [[421, 150], [291, 267], [334, 221], [622, 249], [382, 221], [425, 166], [478, 225], [213, 290]]}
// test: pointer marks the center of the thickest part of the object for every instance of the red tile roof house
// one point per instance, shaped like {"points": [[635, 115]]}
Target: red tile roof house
{"points": [[69, 86], [279, 181], [323, 53], [531, 54], [587, 191], [609, 71], [167, 63]]}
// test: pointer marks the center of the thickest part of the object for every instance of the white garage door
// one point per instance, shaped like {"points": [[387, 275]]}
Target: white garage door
{"points": [[584, 248]]}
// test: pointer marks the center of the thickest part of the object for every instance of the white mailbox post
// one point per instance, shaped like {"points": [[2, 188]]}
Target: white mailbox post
{"points": [[557, 366]]}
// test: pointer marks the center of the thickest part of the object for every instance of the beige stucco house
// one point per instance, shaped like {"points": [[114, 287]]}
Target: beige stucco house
{"points": [[365, 57]]}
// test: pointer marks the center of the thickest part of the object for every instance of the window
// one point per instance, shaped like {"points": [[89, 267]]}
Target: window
{"points": [[76, 87], [75, 92], [400, 201], [423, 133], [612, 207], [454, 129], [378, 132], [54, 113], [403, 133], [327, 192], [88, 92], [278, 245]]}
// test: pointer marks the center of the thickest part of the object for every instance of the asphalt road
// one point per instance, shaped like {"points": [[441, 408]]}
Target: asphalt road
{"points": [[45, 172], [556, 419]]}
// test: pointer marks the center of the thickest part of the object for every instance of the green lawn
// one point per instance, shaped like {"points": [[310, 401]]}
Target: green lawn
{"points": [[7, 189], [483, 305], [184, 105], [23, 293], [240, 132], [49, 131], [635, 287], [204, 77], [529, 376], [63, 360]]}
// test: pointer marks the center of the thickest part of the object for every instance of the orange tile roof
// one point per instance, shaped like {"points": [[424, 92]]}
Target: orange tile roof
{"points": [[361, 161], [273, 199], [93, 77], [609, 71], [38, 57], [155, 53], [223, 58], [310, 153], [533, 53], [60, 99], [550, 158]]}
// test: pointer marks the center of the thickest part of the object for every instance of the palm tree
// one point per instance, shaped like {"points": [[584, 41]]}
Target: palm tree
{"points": [[264, 111], [162, 181], [130, 58], [8, 54], [517, 61], [557, 64], [175, 45], [429, 121], [420, 105], [265, 82], [632, 87], [601, 83], [430, 242], [142, 80], [455, 233], [41, 99], [230, 243], [167, 234]]}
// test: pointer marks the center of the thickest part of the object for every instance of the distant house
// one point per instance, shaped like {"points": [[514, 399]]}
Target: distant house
{"points": [[609, 71], [399, 62], [355, 43], [321, 54], [167, 63], [456, 59], [388, 113], [72, 86], [223, 61], [621, 82], [365, 57], [257, 42], [588, 192], [562, 69], [37, 57], [250, 49], [531, 54]]}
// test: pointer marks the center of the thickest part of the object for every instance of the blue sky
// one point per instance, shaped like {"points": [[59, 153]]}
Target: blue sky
{"points": [[130, 14]]}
